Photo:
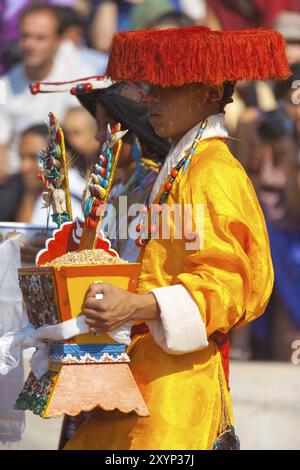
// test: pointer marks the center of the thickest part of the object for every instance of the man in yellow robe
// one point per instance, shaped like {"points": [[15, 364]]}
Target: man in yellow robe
{"points": [[195, 288]]}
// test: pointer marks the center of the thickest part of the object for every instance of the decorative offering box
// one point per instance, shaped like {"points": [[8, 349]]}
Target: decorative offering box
{"points": [[87, 371]]}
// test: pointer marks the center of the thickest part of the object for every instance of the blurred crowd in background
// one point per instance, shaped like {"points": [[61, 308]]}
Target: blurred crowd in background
{"points": [[67, 39]]}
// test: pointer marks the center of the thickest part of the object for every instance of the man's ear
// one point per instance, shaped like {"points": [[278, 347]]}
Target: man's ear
{"points": [[215, 93]]}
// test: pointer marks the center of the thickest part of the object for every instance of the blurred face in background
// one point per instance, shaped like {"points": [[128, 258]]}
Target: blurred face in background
{"points": [[279, 164], [30, 145], [293, 112], [293, 52], [80, 129], [39, 38], [103, 119]]}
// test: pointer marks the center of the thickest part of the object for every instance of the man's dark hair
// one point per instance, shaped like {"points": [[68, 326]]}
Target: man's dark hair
{"points": [[227, 95], [40, 8], [39, 129], [275, 125], [68, 17], [176, 18]]}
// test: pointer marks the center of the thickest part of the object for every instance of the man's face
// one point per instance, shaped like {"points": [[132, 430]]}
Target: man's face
{"points": [[173, 111], [39, 39], [30, 145], [278, 165]]}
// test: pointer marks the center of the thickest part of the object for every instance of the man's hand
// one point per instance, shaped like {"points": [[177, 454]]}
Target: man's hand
{"points": [[116, 307]]}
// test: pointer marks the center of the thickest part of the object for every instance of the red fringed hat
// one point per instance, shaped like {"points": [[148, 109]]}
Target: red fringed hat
{"points": [[175, 57]]}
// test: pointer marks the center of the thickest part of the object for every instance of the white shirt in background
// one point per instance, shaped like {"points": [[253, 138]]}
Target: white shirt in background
{"points": [[97, 61], [22, 110]]}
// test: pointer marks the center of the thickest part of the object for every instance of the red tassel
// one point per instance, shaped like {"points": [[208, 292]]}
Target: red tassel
{"points": [[223, 344], [176, 57]]}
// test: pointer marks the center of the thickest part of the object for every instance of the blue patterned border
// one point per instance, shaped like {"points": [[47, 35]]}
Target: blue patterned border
{"points": [[88, 353]]}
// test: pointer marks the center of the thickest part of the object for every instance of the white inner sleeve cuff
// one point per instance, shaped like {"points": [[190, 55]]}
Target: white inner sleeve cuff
{"points": [[181, 328]]}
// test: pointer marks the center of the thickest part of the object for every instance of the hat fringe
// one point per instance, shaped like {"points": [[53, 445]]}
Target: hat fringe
{"points": [[192, 55]]}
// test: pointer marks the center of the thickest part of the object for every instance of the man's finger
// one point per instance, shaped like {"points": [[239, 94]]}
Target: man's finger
{"points": [[95, 323], [95, 331], [99, 288], [90, 313], [94, 304], [103, 326], [96, 288]]}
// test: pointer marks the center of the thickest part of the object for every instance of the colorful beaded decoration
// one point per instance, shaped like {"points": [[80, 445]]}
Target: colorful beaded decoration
{"points": [[143, 237], [81, 88], [54, 175], [100, 183]]}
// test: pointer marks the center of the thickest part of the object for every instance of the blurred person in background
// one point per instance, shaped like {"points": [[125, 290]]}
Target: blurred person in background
{"points": [[40, 39], [288, 24], [74, 41], [80, 129], [288, 95], [110, 16], [278, 167], [10, 14], [243, 14], [32, 141], [269, 147], [172, 19], [279, 193], [150, 12], [248, 144], [81, 148], [250, 96]]}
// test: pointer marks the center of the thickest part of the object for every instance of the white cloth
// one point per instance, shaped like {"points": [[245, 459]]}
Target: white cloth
{"points": [[181, 329], [21, 109], [13, 342], [195, 9], [12, 422], [11, 311]]}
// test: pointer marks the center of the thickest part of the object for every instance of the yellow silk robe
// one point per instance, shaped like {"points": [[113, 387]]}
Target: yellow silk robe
{"points": [[230, 278]]}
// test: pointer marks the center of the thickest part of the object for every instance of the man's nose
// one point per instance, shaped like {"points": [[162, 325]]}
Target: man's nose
{"points": [[28, 42]]}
